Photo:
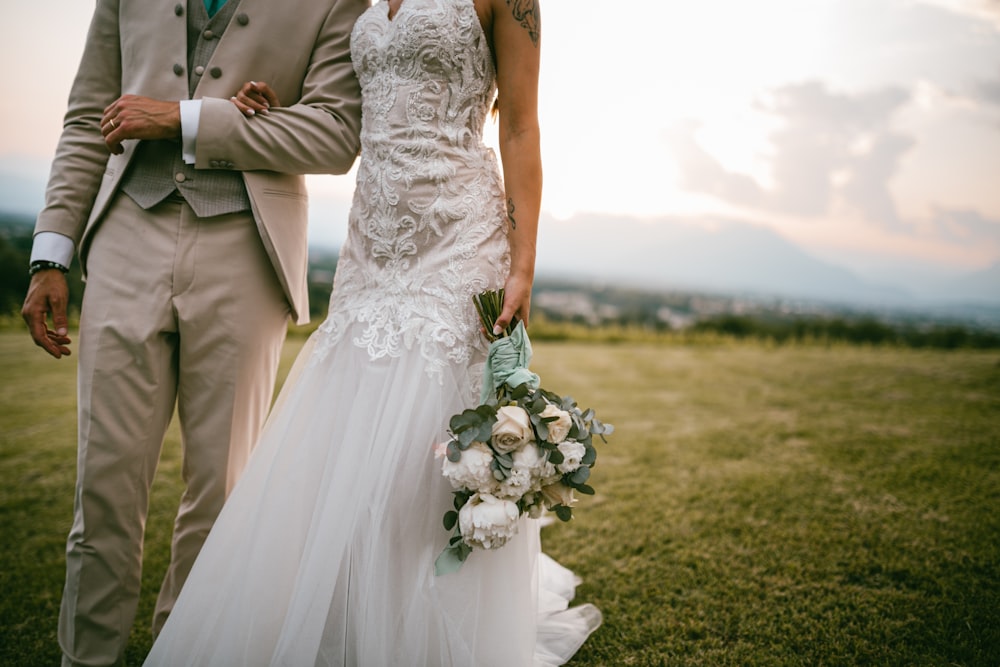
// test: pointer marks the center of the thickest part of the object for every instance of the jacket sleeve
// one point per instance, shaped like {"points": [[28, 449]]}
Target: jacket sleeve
{"points": [[318, 134], [81, 154]]}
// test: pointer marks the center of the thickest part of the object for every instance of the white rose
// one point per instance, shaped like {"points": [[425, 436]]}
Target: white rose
{"points": [[559, 428], [557, 494], [573, 453], [473, 471], [487, 522], [512, 430]]}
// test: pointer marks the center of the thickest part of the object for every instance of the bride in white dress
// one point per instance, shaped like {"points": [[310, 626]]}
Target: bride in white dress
{"points": [[324, 553]]}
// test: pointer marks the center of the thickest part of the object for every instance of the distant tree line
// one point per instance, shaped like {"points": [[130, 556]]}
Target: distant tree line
{"points": [[861, 330]]}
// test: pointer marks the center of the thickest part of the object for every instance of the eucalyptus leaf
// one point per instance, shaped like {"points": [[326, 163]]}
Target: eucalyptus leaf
{"points": [[585, 489], [466, 419], [542, 429], [466, 438], [450, 519], [520, 391], [580, 475], [564, 513], [485, 431]]}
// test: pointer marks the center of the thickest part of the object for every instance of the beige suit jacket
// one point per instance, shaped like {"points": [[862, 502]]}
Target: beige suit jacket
{"points": [[300, 47]]}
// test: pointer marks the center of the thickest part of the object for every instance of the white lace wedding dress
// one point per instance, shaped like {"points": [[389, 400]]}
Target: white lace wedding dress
{"points": [[324, 553]]}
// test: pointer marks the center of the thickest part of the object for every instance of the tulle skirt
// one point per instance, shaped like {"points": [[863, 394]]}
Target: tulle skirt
{"points": [[324, 553]]}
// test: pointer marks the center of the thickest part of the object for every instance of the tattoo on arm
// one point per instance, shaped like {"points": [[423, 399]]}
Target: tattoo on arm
{"points": [[510, 213], [526, 11]]}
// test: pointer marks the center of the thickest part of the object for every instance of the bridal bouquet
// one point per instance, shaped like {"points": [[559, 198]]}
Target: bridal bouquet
{"points": [[522, 450]]}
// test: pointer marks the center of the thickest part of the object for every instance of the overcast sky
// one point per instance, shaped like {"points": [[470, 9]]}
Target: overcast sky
{"points": [[866, 131]]}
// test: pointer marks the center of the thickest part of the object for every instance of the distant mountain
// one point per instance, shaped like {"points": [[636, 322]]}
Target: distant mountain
{"points": [[980, 286], [22, 191], [723, 256]]}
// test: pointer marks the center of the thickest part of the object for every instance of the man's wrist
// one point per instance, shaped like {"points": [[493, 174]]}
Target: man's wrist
{"points": [[44, 265]]}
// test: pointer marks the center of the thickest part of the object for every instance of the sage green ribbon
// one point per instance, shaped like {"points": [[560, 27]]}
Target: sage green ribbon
{"points": [[507, 363]]}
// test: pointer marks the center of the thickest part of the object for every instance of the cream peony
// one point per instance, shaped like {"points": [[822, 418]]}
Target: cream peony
{"points": [[573, 453], [512, 429], [558, 429], [473, 471], [487, 522]]}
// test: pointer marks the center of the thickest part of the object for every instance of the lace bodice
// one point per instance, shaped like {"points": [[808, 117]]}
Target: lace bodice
{"points": [[427, 226]]}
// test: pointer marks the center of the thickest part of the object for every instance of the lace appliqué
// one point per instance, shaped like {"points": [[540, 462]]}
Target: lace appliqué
{"points": [[427, 227]]}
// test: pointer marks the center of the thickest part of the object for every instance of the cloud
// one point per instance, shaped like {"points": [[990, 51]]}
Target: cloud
{"points": [[986, 10], [701, 172], [867, 187], [988, 91], [828, 149], [966, 227]]}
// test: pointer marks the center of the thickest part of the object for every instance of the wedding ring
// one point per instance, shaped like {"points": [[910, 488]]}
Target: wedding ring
{"points": [[112, 124]]}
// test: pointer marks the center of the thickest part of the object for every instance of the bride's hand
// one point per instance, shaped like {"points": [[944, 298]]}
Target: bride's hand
{"points": [[516, 302], [255, 97]]}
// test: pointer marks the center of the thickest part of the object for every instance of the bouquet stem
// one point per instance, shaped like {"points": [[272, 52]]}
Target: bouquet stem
{"points": [[489, 305]]}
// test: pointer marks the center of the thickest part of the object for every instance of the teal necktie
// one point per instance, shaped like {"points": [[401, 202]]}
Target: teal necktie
{"points": [[213, 6]]}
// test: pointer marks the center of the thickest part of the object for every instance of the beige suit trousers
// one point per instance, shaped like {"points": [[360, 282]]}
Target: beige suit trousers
{"points": [[179, 312]]}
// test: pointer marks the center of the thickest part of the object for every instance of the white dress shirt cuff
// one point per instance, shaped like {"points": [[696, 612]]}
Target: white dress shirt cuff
{"points": [[52, 247], [190, 113]]}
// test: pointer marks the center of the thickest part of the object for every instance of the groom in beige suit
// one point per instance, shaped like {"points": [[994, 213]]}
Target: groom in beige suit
{"points": [[189, 221]]}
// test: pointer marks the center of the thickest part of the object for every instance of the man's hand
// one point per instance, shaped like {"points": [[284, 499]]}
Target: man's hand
{"points": [[135, 117], [48, 294]]}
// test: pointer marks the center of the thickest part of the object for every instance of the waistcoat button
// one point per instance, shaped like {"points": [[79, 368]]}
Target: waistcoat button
{"points": [[199, 70], [180, 177], [208, 34]]}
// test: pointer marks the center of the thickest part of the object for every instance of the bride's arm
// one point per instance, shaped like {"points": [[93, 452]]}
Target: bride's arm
{"points": [[516, 33]]}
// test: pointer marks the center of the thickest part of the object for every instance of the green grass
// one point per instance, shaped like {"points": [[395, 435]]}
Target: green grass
{"points": [[757, 505]]}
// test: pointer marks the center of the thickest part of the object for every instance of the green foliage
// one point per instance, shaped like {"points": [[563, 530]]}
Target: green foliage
{"points": [[473, 425], [758, 505], [866, 329]]}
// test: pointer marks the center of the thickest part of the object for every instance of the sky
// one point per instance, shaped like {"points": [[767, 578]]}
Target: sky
{"points": [[866, 132]]}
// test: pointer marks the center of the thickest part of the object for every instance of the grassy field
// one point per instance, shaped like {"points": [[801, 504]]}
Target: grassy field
{"points": [[757, 505]]}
